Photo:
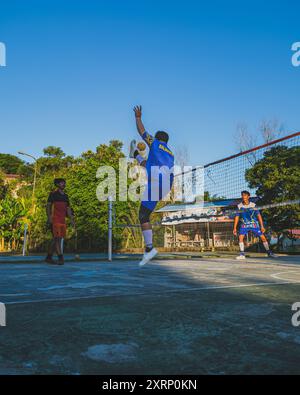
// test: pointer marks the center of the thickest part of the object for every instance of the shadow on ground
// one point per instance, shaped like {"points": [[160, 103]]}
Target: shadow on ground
{"points": [[170, 318]]}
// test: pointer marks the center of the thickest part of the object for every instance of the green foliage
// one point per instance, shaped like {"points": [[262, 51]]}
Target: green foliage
{"points": [[91, 215], [10, 164], [53, 152], [3, 187], [213, 198], [276, 179], [13, 215]]}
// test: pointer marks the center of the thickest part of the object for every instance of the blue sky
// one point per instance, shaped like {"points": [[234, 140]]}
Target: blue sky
{"points": [[75, 69]]}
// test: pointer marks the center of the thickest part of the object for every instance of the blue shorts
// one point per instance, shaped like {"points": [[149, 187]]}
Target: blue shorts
{"points": [[256, 231], [150, 205], [154, 193]]}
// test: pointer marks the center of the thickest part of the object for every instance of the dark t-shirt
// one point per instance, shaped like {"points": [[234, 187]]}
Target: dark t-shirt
{"points": [[60, 204]]}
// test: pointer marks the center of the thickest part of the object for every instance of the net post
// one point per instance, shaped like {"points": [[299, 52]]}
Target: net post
{"points": [[208, 234], [110, 232], [25, 240]]}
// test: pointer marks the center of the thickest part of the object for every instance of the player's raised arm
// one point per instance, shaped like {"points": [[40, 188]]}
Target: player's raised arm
{"points": [[138, 118]]}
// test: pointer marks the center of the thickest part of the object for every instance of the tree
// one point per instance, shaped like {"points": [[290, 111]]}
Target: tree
{"points": [[276, 179], [3, 186], [54, 161], [244, 140], [91, 214], [182, 156], [271, 130], [213, 198], [54, 152], [13, 214], [10, 164]]}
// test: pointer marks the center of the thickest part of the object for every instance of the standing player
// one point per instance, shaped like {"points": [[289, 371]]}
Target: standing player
{"points": [[58, 208], [250, 220], [160, 175]]}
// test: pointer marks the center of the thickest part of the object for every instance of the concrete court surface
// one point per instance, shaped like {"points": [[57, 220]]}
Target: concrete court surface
{"points": [[209, 316]]}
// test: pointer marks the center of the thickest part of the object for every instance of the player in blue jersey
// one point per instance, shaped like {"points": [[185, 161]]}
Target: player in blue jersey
{"points": [[160, 175], [250, 220]]}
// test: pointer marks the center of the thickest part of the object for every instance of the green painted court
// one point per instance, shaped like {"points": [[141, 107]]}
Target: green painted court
{"points": [[175, 316]]}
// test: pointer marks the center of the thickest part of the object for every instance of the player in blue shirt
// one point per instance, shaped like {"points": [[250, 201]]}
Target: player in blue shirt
{"points": [[250, 220], [160, 176]]}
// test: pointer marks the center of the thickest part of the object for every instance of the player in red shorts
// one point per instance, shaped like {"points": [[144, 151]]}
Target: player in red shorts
{"points": [[58, 208]]}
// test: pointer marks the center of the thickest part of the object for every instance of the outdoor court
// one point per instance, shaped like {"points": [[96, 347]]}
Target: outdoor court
{"points": [[174, 316]]}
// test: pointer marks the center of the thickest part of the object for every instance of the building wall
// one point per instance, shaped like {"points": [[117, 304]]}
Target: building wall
{"points": [[203, 235]]}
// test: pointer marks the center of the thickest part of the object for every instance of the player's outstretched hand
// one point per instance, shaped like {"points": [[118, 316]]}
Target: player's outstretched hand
{"points": [[138, 111]]}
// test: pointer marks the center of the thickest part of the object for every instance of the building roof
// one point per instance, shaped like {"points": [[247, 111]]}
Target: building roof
{"points": [[227, 203], [10, 177]]}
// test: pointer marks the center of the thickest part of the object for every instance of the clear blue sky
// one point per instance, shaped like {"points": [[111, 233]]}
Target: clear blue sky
{"points": [[76, 68]]}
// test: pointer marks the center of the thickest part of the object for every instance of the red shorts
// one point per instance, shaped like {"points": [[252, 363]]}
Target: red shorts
{"points": [[59, 230]]}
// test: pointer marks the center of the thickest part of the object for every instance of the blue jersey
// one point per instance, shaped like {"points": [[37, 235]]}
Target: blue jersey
{"points": [[248, 216], [159, 156], [160, 171]]}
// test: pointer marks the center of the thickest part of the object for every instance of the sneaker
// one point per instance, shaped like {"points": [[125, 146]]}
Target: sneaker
{"points": [[148, 256], [50, 260], [241, 258], [271, 255], [132, 149], [61, 260]]}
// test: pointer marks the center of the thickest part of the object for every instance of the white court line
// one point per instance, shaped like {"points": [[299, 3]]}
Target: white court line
{"points": [[158, 293], [253, 263], [21, 294], [277, 275]]}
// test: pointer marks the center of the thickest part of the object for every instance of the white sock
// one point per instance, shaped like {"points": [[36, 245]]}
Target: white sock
{"points": [[148, 236], [266, 245], [242, 247]]}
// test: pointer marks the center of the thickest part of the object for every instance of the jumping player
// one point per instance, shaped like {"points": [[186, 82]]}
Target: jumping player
{"points": [[159, 166], [250, 220], [58, 208]]}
